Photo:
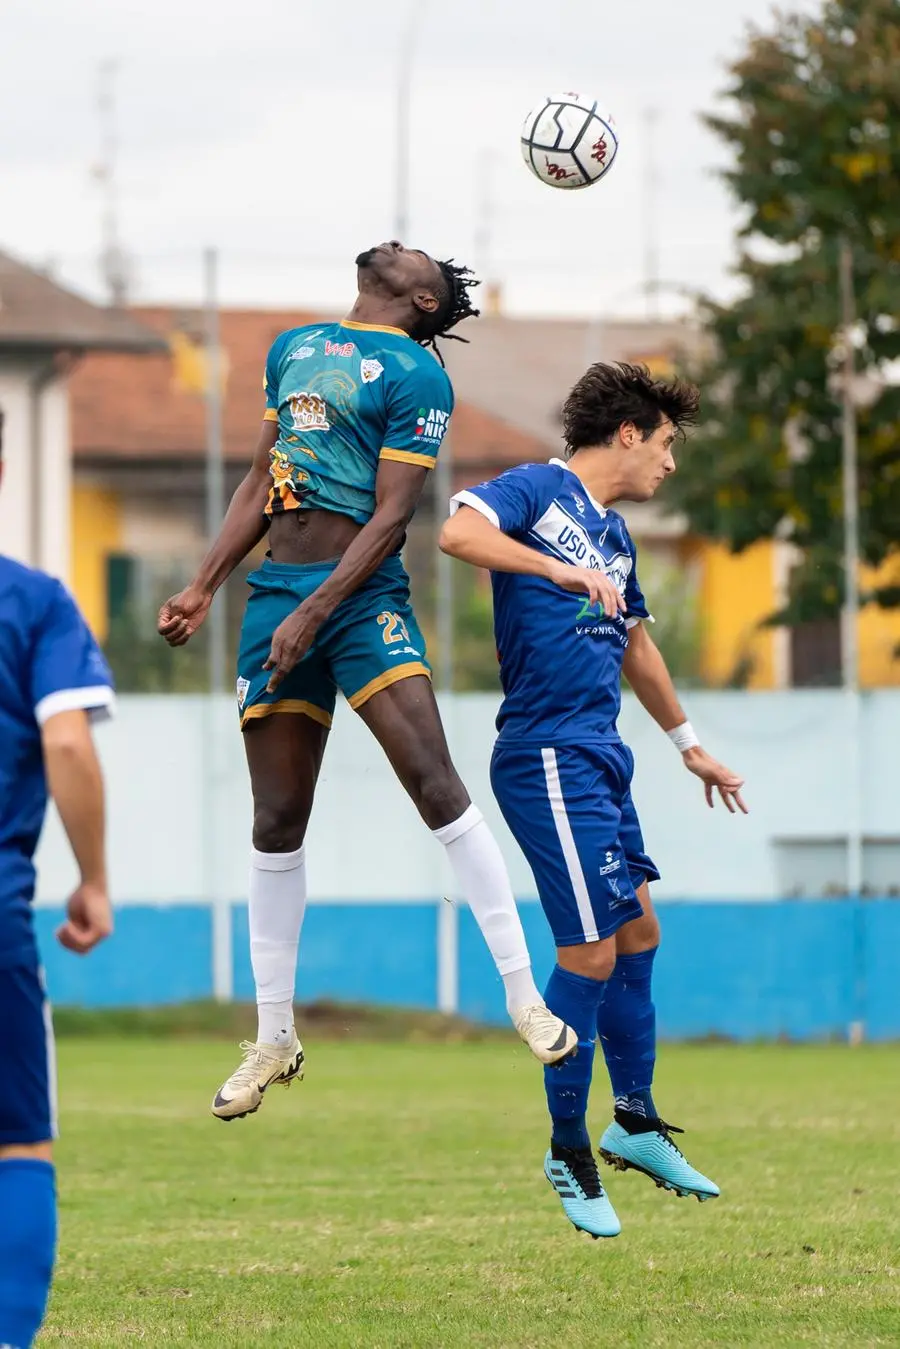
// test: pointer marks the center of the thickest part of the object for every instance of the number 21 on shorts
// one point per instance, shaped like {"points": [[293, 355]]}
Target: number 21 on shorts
{"points": [[395, 630]]}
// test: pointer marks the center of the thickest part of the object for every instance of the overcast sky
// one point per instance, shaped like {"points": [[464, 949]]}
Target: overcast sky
{"points": [[267, 128]]}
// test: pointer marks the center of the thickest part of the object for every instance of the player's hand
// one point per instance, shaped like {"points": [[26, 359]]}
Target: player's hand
{"points": [[181, 616], [291, 641], [716, 778], [89, 919], [595, 584]]}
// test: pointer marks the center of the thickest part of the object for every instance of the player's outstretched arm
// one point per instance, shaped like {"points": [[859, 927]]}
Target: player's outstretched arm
{"points": [[649, 678], [472, 538], [75, 781], [243, 527]]}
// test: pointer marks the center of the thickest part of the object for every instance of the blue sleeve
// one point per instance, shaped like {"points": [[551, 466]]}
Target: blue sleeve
{"points": [[419, 405], [515, 501], [634, 596], [68, 670]]}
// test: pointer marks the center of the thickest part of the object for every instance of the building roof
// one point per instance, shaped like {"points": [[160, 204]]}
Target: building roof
{"points": [[521, 369], [38, 314]]}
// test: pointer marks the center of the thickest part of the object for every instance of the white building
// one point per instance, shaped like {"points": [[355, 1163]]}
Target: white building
{"points": [[44, 331]]}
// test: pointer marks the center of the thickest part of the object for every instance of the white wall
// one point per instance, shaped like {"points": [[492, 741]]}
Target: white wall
{"points": [[176, 837], [35, 492]]}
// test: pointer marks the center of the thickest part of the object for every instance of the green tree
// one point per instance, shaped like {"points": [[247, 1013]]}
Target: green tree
{"points": [[814, 129]]}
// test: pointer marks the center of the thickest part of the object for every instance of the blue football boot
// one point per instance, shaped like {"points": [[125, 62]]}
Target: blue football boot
{"points": [[574, 1176], [652, 1151]]}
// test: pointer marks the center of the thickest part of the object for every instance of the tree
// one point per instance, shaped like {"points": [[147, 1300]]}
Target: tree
{"points": [[814, 127]]}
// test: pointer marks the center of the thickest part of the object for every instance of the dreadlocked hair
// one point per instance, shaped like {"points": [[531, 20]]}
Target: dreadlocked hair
{"points": [[453, 306]]}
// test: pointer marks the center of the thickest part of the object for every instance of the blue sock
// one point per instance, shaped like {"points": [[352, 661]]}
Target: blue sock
{"points": [[576, 1000], [626, 1024], [27, 1247]]}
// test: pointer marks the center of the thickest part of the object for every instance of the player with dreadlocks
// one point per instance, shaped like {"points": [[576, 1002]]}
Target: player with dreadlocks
{"points": [[355, 415]]}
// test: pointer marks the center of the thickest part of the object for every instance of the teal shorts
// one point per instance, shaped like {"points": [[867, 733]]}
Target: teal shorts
{"points": [[370, 641]]}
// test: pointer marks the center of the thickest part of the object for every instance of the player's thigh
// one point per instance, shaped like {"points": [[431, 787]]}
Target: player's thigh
{"points": [[27, 1064], [562, 807], [376, 656], [643, 933], [406, 722], [284, 755]]}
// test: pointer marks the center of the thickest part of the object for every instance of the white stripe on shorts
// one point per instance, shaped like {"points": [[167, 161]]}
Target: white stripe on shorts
{"points": [[50, 1042], [567, 843]]}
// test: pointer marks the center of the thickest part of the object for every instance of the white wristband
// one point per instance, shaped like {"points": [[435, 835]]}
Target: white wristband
{"points": [[683, 737]]}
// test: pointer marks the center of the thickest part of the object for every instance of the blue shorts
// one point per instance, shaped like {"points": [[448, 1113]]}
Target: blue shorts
{"points": [[27, 1057], [370, 641], [570, 810]]}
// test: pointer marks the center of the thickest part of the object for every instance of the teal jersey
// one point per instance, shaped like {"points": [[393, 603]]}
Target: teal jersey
{"points": [[345, 396]]}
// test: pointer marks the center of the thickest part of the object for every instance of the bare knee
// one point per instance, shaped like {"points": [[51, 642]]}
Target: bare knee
{"points": [[31, 1152], [439, 795], [592, 960], [278, 825], [643, 934]]}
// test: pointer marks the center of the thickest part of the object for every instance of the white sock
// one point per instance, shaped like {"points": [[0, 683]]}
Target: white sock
{"points": [[482, 877], [277, 904]]}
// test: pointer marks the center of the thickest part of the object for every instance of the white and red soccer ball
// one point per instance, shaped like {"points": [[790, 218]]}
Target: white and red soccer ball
{"points": [[568, 142]]}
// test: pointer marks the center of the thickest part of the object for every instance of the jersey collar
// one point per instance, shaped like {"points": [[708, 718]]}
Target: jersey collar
{"points": [[561, 463], [373, 328]]}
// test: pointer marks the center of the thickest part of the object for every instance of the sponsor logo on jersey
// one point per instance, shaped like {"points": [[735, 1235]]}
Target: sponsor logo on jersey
{"points": [[308, 412], [302, 354], [242, 688], [370, 370], [571, 541], [431, 425], [579, 504], [339, 348]]}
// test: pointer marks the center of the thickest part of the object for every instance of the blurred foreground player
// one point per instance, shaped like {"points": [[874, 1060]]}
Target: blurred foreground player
{"points": [[355, 415], [54, 680], [570, 618]]}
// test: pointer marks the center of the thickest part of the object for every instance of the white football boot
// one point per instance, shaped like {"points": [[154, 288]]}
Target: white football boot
{"points": [[262, 1066], [549, 1039]]}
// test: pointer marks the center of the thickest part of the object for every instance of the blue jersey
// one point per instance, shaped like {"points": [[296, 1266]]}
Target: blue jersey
{"points": [[49, 663], [560, 657], [346, 395]]}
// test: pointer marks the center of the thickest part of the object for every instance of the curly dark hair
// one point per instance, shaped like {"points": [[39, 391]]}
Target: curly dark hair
{"points": [[606, 396], [454, 305]]}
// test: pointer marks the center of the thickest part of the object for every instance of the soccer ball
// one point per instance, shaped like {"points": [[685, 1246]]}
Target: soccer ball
{"points": [[567, 143]]}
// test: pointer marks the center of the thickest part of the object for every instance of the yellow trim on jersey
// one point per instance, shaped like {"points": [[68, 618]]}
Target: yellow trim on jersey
{"points": [[373, 328], [383, 681], [407, 457], [270, 415], [296, 705]]}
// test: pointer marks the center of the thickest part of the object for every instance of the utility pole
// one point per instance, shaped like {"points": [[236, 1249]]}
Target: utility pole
{"points": [[651, 215], [113, 266]]}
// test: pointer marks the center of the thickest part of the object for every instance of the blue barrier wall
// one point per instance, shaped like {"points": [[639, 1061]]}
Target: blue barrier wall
{"points": [[794, 969]]}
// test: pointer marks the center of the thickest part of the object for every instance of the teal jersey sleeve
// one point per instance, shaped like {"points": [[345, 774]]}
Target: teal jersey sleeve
{"points": [[272, 377], [418, 412]]}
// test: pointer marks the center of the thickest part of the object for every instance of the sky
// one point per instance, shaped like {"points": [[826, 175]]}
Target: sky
{"points": [[268, 132]]}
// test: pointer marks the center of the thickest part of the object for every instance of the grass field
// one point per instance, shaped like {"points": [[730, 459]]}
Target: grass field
{"points": [[395, 1198]]}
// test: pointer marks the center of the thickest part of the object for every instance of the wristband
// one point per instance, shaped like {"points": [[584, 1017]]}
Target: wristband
{"points": [[683, 737]]}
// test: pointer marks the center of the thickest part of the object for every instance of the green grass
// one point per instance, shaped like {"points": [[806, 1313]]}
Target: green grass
{"points": [[395, 1199]]}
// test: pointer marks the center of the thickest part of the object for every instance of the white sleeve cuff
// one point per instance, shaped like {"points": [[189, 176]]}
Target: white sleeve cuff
{"points": [[633, 622], [470, 499], [98, 701]]}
